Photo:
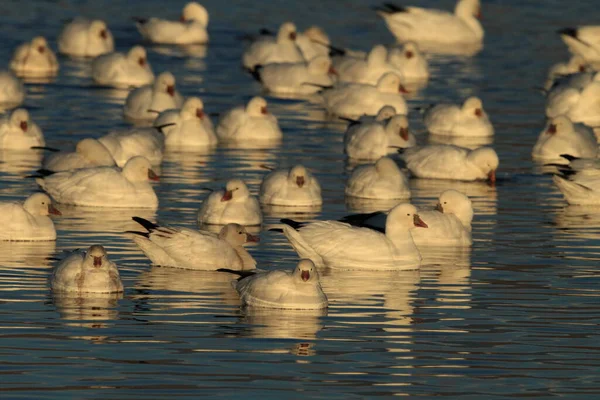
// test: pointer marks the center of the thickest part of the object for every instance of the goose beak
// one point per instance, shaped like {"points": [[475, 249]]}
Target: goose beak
{"points": [[492, 176], [200, 113], [171, 90], [251, 238], [152, 175], [52, 210], [300, 181], [264, 110], [439, 207], [142, 61], [23, 126], [41, 49], [402, 89], [479, 112], [333, 71], [305, 275], [103, 34], [404, 133], [98, 262], [551, 129], [227, 195], [419, 222], [293, 36], [182, 19]]}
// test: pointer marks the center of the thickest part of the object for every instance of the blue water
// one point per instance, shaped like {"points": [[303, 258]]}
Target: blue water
{"points": [[516, 316]]}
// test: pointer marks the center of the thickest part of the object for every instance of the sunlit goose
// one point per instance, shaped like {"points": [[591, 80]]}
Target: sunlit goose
{"points": [[581, 188], [87, 272], [127, 143], [251, 122], [187, 127], [299, 289], [12, 90], [410, 62], [372, 140], [119, 69], [470, 119], [340, 245], [579, 104], [28, 221], [190, 29], [296, 78], [313, 42], [583, 41], [444, 161], [415, 24], [382, 180], [143, 103], [234, 204], [104, 186], [354, 99], [18, 131], [576, 64], [191, 249], [366, 70], [292, 187], [279, 49], [561, 136], [88, 153], [84, 38], [34, 59]]}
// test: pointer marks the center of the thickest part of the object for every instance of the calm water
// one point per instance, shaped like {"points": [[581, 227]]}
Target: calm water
{"points": [[515, 316]]}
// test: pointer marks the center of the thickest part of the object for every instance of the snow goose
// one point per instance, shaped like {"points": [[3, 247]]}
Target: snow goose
{"points": [[34, 59], [188, 127], [295, 78], [104, 186], [293, 187], [452, 120], [88, 153], [581, 188], [561, 136], [28, 221], [19, 132], [190, 29], [382, 180], [576, 64], [409, 62], [371, 141], [191, 249], [143, 103], [577, 100], [368, 70], [122, 70], [444, 161], [583, 41], [233, 204], [12, 90], [84, 38], [422, 25], [279, 49], [251, 122], [87, 272], [338, 245], [128, 143], [299, 289], [313, 42], [354, 99]]}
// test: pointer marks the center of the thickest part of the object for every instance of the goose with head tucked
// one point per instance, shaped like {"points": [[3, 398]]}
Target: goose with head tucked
{"points": [[575, 65], [296, 78], [143, 103], [342, 246], [561, 136], [123, 70], [190, 29], [581, 188], [367, 70], [233, 204], [313, 42], [28, 221], [85, 38], [252, 122], [88, 153], [410, 62], [191, 249], [583, 41], [373, 140], [293, 187], [279, 49], [382, 180], [188, 127], [19, 132], [12, 90], [34, 59], [470, 119], [87, 271], [579, 100], [105, 186], [124, 144]]}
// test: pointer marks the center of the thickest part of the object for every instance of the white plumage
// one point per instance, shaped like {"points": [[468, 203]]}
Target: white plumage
{"points": [[279, 49], [88, 153], [561, 136], [373, 140], [581, 189], [143, 103], [28, 221], [122, 70], [234, 204], [19, 132], [583, 41], [187, 128], [367, 70], [249, 123], [296, 78], [382, 180], [125, 144], [85, 38], [12, 90], [190, 29], [410, 62], [294, 187], [34, 59], [470, 119]]}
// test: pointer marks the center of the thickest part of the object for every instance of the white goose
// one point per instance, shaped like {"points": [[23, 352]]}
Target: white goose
{"points": [[371, 141], [234, 204], [354, 99], [188, 127], [382, 180], [338, 245], [128, 143], [561, 136], [122, 70], [423, 25], [84, 38], [34, 59], [12, 90], [582, 188], [444, 161], [252, 122], [87, 272], [143, 103], [577, 100], [296, 78], [576, 64], [366, 70], [299, 289], [410, 62], [279, 49], [583, 41], [452, 120], [88, 153], [19, 132], [190, 29], [293, 187], [28, 221], [104, 186], [191, 249], [313, 42]]}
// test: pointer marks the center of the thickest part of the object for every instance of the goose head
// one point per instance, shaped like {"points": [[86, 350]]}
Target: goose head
{"points": [[454, 202], [235, 189], [236, 235], [194, 12], [139, 169], [40, 204], [257, 107]]}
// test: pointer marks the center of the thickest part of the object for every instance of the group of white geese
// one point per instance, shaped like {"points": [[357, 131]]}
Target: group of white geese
{"points": [[367, 89]]}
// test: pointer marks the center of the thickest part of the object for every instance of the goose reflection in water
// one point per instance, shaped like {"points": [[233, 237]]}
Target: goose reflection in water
{"points": [[26, 254], [20, 162], [89, 221], [271, 323], [89, 310], [450, 268]]}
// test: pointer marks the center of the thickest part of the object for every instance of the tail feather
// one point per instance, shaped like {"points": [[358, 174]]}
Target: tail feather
{"points": [[572, 32], [138, 233], [150, 226]]}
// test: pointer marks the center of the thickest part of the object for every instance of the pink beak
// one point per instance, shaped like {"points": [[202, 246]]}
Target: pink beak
{"points": [[171, 90], [103, 34], [200, 113], [251, 238], [23, 126], [403, 90], [404, 133], [142, 61], [52, 210], [152, 175], [492, 176], [97, 261], [264, 110], [305, 275], [551, 129], [300, 181], [419, 222], [41, 49], [227, 195]]}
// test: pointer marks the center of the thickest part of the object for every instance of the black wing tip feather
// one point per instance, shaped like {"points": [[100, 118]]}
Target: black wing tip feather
{"points": [[241, 274], [255, 72], [292, 223], [140, 20], [390, 8], [138, 233], [569, 157], [150, 226], [45, 172], [276, 230], [568, 32]]}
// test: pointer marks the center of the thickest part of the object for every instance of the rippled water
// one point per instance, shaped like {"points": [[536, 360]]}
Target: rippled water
{"points": [[517, 315]]}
